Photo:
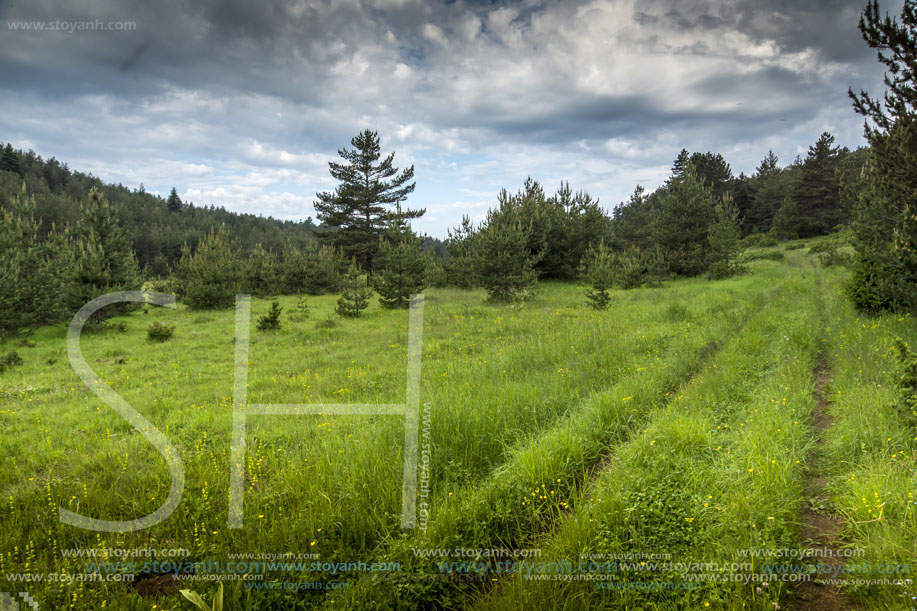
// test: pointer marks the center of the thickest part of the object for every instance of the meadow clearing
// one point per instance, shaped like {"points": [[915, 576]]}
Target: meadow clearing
{"points": [[657, 455]]}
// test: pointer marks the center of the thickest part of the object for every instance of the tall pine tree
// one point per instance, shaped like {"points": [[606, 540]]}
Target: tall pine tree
{"points": [[33, 270], [356, 212], [104, 257], [885, 226], [685, 215], [818, 200], [723, 237], [9, 160], [174, 201], [504, 260]]}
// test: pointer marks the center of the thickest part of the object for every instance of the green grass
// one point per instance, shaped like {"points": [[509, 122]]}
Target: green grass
{"points": [[872, 449], [716, 470], [552, 426]]}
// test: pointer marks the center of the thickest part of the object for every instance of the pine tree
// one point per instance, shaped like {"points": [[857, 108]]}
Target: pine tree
{"points": [[724, 238], [504, 262], [680, 163], [314, 271], [576, 221], [685, 215], [174, 202], [632, 223], [159, 267], [885, 226], [324, 272], [294, 270], [713, 172], [104, 258], [33, 271], [211, 277], [271, 320], [9, 160], [402, 266], [769, 187], [355, 292], [356, 213], [629, 268], [261, 273], [656, 269], [818, 203], [768, 165], [460, 268], [600, 274]]}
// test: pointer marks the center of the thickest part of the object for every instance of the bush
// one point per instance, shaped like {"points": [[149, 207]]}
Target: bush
{"points": [[907, 381], [766, 255], [865, 286], [759, 240], [158, 332], [12, 359], [271, 320], [158, 285], [313, 271], [795, 246], [830, 251]]}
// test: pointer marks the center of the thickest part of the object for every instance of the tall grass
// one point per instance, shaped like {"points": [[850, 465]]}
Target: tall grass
{"points": [[718, 470]]}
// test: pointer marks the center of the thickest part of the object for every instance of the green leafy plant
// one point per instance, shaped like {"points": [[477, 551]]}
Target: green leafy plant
{"points": [[199, 602]]}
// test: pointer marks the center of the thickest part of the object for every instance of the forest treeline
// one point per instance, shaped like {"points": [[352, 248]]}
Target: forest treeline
{"points": [[157, 227], [68, 237]]}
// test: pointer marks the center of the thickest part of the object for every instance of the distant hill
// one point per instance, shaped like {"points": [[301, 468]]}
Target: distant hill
{"points": [[157, 231]]}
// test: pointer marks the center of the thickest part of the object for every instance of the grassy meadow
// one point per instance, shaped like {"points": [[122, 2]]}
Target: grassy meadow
{"points": [[678, 435]]}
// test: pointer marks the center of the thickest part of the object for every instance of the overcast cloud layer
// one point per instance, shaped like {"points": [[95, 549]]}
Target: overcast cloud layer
{"points": [[242, 104]]}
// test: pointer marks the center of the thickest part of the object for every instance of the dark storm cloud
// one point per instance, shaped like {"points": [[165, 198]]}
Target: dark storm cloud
{"points": [[261, 85], [291, 49]]}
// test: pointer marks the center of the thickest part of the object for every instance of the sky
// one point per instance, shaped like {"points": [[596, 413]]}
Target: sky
{"points": [[242, 104]]}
